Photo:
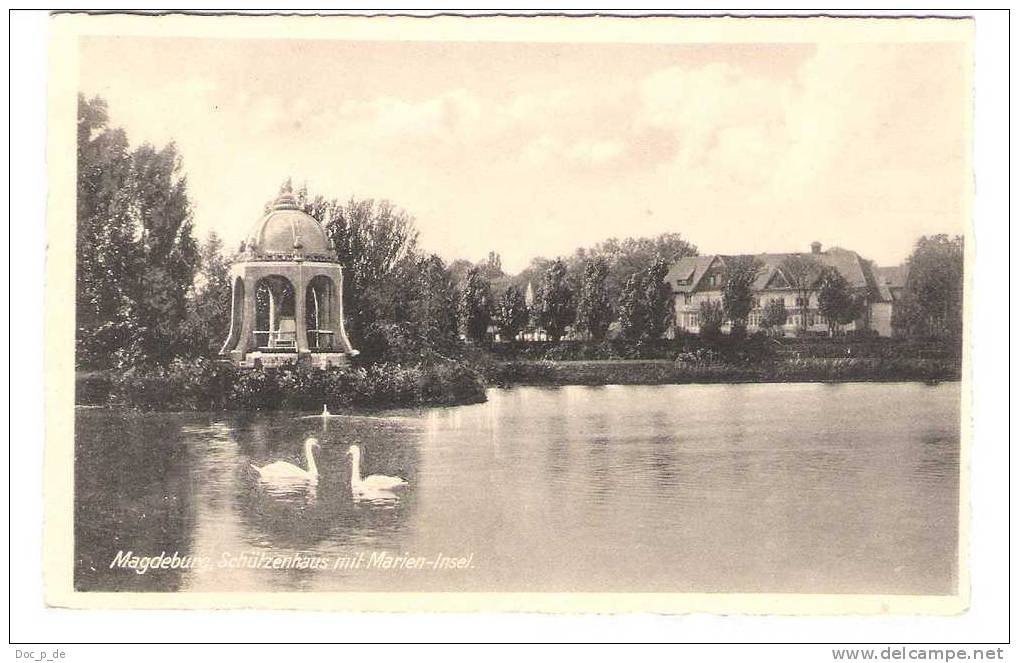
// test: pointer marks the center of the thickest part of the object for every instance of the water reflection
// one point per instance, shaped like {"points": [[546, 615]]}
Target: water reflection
{"points": [[806, 488]]}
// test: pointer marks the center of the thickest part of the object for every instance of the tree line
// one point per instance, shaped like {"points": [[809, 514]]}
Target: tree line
{"points": [[563, 302], [149, 292]]}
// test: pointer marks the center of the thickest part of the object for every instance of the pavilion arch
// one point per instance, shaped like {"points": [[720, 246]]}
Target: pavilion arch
{"points": [[321, 314], [275, 314], [236, 314]]}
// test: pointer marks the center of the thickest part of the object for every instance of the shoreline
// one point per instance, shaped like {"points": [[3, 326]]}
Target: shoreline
{"points": [[662, 371], [602, 372]]}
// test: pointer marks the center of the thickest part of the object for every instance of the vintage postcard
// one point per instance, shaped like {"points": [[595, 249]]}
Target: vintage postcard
{"points": [[553, 314]]}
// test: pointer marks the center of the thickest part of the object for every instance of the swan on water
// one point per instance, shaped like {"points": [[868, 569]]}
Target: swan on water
{"points": [[283, 471], [372, 487]]}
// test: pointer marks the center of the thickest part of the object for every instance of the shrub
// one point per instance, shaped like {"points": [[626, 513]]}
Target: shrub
{"points": [[211, 385], [198, 384]]}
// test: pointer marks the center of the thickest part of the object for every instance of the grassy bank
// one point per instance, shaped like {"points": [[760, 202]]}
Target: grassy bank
{"points": [[777, 370], [208, 385]]}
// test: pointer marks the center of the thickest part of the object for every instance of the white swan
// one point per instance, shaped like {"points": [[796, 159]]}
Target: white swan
{"points": [[288, 472], [372, 487]]}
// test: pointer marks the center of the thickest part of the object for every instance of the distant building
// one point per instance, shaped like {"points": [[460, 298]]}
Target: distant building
{"points": [[891, 283], [287, 293], [695, 279]]}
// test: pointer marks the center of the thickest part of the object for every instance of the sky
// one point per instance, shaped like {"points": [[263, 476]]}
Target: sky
{"points": [[535, 149]]}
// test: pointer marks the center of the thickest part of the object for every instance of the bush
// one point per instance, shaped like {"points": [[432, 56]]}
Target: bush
{"points": [[199, 384], [214, 385], [706, 366], [859, 346]]}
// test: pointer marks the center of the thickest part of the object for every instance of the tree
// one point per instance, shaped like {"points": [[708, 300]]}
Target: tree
{"points": [[532, 274], [208, 305], [491, 267], [855, 308], [774, 315], [712, 315], [511, 314], [632, 311], [475, 306], [136, 253], [458, 271], [594, 308], [834, 300], [738, 293], [376, 243], [932, 301], [658, 299], [629, 256], [646, 305], [801, 272], [426, 305], [169, 251], [555, 306], [107, 256]]}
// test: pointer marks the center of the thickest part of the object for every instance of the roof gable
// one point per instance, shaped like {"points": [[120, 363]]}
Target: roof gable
{"points": [[687, 274], [776, 280]]}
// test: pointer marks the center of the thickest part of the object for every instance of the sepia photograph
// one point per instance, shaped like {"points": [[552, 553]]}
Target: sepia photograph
{"points": [[667, 313]]}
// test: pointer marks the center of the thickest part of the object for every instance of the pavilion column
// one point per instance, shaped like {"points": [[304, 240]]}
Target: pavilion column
{"points": [[336, 313], [236, 316], [300, 315], [247, 331]]}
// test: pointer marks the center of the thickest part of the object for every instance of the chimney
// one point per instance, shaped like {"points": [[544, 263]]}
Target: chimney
{"points": [[815, 247]]}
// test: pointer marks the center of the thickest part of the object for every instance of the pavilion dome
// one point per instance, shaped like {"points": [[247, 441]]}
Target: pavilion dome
{"points": [[286, 228]]}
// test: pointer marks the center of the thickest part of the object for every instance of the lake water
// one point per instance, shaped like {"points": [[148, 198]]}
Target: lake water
{"points": [[695, 488]]}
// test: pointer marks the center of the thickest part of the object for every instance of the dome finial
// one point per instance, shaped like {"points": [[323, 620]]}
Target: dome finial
{"points": [[285, 199]]}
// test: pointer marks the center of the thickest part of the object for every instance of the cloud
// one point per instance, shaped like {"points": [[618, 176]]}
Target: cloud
{"points": [[849, 144]]}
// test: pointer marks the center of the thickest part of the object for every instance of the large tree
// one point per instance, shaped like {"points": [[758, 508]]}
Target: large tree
{"points": [[738, 293], [594, 307], [475, 306], [628, 256], [834, 300], [208, 305], [136, 253], [556, 308], [932, 301], [168, 249], [376, 243], [632, 311], [107, 255], [659, 300], [511, 313], [491, 266], [424, 308], [646, 304]]}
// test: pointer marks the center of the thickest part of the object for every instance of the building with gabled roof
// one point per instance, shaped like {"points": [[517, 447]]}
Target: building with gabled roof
{"points": [[696, 279]]}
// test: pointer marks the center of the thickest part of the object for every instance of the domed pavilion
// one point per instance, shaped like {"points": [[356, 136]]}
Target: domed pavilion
{"points": [[287, 293]]}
